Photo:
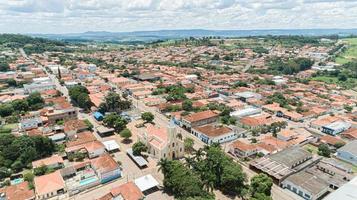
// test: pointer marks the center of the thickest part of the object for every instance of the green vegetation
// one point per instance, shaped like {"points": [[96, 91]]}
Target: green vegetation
{"points": [[148, 117], [260, 187], [324, 150], [114, 103], [345, 76], [174, 92], [42, 170], [115, 121], [348, 54], [126, 134], [291, 66], [32, 45], [79, 95], [17, 153], [189, 142], [209, 168], [138, 148], [33, 102]]}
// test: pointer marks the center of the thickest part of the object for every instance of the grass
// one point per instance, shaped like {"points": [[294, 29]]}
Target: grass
{"points": [[349, 84], [10, 126], [311, 148], [351, 52]]}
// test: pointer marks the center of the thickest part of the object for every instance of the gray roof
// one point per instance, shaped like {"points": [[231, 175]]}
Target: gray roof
{"points": [[308, 181], [346, 192], [350, 147], [291, 156], [138, 159]]}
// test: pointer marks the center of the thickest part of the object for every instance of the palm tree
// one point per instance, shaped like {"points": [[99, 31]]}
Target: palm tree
{"points": [[163, 165], [198, 154], [189, 162]]}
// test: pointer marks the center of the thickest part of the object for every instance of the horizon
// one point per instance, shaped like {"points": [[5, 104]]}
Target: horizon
{"points": [[77, 16]]}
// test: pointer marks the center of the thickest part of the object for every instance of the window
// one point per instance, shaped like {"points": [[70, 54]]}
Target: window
{"points": [[173, 144]]}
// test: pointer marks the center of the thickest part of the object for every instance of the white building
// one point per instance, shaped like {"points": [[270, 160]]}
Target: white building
{"points": [[216, 133], [38, 87], [245, 112]]}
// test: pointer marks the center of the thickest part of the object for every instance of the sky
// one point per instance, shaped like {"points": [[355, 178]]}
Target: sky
{"points": [[76, 16]]}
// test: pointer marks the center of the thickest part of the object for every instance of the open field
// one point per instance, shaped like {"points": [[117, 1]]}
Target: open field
{"points": [[350, 53]]}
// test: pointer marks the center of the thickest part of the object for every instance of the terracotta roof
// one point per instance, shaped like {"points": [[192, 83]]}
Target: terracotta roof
{"points": [[200, 116], [47, 161], [104, 163], [49, 183], [74, 125], [328, 139], [351, 133], [81, 138], [129, 191], [213, 131], [243, 146], [19, 191]]}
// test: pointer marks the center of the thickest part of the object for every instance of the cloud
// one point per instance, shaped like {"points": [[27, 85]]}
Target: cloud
{"points": [[61, 16]]}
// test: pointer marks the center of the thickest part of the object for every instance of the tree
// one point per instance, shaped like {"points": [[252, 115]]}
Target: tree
{"points": [[11, 82], [35, 101], [138, 148], [339, 145], [148, 117], [4, 66], [188, 143], [187, 105], [79, 95], [324, 150], [262, 184], [114, 103], [39, 171], [126, 134], [20, 105], [348, 108], [6, 110], [115, 121]]}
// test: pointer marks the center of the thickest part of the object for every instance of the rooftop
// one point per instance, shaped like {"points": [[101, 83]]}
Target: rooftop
{"points": [[49, 183], [213, 130], [200, 116]]}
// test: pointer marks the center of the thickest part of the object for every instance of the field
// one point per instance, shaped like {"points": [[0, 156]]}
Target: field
{"points": [[349, 84], [351, 52]]}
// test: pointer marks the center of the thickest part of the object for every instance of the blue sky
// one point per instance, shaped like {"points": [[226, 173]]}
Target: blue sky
{"points": [[73, 16]]}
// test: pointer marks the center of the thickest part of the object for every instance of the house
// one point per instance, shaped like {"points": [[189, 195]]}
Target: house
{"points": [[74, 126], [93, 149], [245, 96], [127, 191], [49, 185], [162, 142], [19, 191], [53, 162], [348, 152], [242, 149], [336, 127], [30, 123], [216, 133], [350, 134], [199, 119], [324, 121], [106, 168], [331, 141]]}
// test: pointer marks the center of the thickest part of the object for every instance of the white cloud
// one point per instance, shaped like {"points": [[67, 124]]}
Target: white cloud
{"points": [[60, 16]]}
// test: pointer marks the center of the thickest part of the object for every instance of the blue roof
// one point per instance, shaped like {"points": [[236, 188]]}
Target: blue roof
{"points": [[98, 115]]}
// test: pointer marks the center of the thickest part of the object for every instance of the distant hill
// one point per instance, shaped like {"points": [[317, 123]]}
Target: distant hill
{"points": [[147, 36]]}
